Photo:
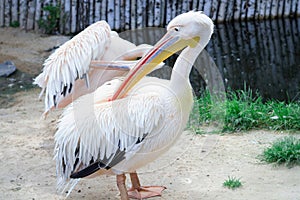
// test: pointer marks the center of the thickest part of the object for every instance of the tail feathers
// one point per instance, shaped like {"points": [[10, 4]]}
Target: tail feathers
{"points": [[66, 187], [91, 169], [41, 82]]}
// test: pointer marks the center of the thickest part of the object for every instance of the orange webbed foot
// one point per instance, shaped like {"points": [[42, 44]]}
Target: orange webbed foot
{"points": [[144, 192]]}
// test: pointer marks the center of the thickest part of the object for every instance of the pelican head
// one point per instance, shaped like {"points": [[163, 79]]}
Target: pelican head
{"points": [[190, 27], [191, 30]]}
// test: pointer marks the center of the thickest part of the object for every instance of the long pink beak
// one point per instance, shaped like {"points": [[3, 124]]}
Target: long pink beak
{"points": [[164, 48]]}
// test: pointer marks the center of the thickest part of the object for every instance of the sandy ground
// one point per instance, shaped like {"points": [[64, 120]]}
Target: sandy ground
{"points": [[195, 168]]}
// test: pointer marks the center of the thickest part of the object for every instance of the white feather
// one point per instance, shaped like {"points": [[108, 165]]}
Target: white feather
{"points": [[105, 127], [71, 60]]}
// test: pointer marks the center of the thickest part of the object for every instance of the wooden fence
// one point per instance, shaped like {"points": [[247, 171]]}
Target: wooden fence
{"points": [[74, 15], [263, 55]]}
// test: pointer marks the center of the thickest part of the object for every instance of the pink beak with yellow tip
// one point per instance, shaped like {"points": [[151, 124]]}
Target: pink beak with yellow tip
{"points": [[167, 46]]}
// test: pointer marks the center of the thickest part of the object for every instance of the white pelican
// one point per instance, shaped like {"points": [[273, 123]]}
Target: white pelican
{"points": [[124, 125], [96, 54]]}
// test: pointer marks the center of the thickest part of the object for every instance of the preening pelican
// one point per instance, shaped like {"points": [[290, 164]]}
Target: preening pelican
{"points": [[84, 63], [127, 123]]}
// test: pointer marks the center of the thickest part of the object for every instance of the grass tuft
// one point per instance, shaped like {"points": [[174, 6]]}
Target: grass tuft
{"points": [[232, 183], [14, 24], [244, 110], [51, 23], [283, 151]]}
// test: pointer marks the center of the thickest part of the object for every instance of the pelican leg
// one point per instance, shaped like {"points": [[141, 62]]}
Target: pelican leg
{"points": [[142, 192], [121, 185]]}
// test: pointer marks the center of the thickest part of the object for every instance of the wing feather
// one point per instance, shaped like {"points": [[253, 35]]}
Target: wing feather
{"points": [[71, 61], [101, 131]]}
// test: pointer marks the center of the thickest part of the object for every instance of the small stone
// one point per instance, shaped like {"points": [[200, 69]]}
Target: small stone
{"points": [[7, 68], [16, 189]]}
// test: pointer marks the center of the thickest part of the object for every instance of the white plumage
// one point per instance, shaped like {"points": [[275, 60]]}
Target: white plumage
{"points": [[71, 61], [69, 73], [99, 128], [125, 124]]}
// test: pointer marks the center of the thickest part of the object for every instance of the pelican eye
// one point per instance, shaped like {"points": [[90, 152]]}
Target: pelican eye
{"points": [[176, 28]]}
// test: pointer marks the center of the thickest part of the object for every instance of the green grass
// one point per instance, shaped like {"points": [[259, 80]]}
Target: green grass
{"points": [[51, 23], [14, 24], [244, 111], [232, 183], [283, 151]]}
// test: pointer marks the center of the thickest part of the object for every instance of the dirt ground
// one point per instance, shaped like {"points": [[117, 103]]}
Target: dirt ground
{"points": [[195, 168]]}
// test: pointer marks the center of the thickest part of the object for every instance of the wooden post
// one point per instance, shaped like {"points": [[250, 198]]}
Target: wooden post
{"points": [[261, 9], [127, 14], [195, 5], [237, 10], [111, 14], [23, 14], [73, 13], [174, 4], [79, 10], [280, 9], [274, 7], [168, 12], [2, 14], [140, 14], [298, 9], [14, 11], [66, 22], [157, 13], [103, 10], [268, 9], [287, 8], [207, 7], [122, 15], [185, 6], [37, 15], [214, 8], [221, 11], [133, 14], [81, 17], [92, 11], [30, 15], [144, 22], [162, 11], [117, 18], [256, 7], [85, 14], [97, 11], [62, 13], [250, 9], [7, 14], [293, 10], [179, 8], [150, 13], [243, 10]]}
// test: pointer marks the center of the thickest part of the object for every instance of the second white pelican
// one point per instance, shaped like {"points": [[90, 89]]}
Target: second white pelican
{"points": [[128, 123], [82, 64]]}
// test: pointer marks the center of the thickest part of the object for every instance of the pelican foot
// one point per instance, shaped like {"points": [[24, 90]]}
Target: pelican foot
{"points": [[145, 192]]}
